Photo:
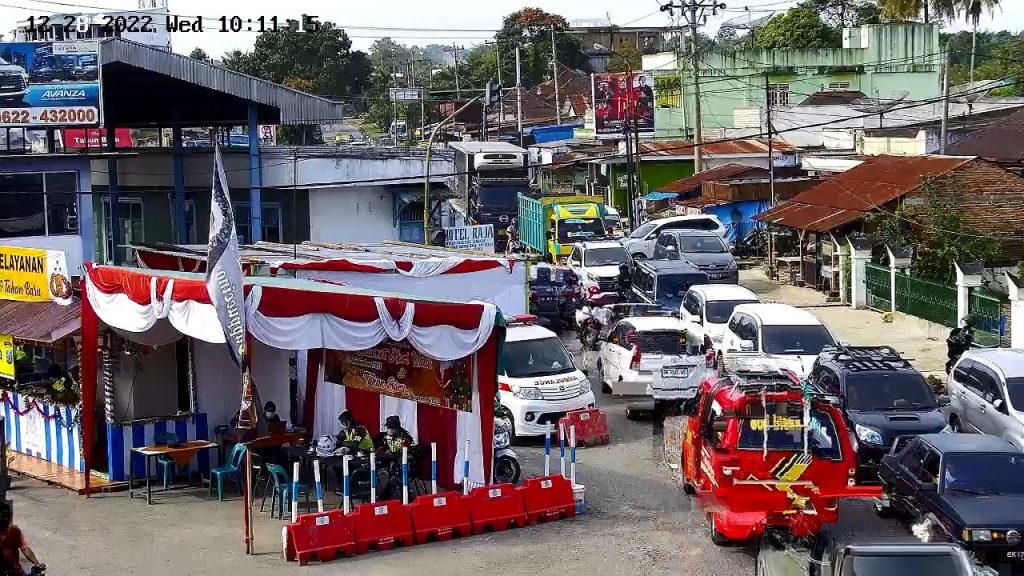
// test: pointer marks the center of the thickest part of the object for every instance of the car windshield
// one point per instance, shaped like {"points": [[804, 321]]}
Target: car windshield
{"points": [[643, 230], [701, 245], [612, 256], [4, 62], [673, 286], [984, 473], [787, 433], [499, 196], [803, 339], [876, 390], [1015, 387], [611, 219], [574, 229], [720, 311], [532, 358], [891, 565]]}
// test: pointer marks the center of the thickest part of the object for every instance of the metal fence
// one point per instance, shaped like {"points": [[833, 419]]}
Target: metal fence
{"points": [[931, 301], [990, 327], [879, 290]]}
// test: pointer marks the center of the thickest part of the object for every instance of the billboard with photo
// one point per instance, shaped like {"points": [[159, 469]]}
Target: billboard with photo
{"points": [[49, 84], [622, 99]]}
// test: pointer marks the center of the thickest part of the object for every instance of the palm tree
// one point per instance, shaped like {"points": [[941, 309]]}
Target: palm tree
{"points": [[973, 10], [910, 9]]}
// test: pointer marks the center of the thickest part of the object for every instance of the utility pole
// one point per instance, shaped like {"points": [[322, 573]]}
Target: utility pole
{"points": [[771, 161], [944, 137], [423, 99], [554, 68], [696, 15], [455, 50], [501, 95], [519, 96]]}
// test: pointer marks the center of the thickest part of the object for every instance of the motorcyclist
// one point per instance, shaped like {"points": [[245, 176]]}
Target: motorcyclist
{"points": [[13, 544], [959, 341], [625, 282]]}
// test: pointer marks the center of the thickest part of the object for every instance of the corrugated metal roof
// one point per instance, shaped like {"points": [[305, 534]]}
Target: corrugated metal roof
{"points": [[850, 195], [295, 106], [685, 147], [1003, 141], [39, 321], [694, 182], [833, 97]]}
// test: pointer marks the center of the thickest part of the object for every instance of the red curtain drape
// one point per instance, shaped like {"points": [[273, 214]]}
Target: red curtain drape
{"points": [[313, 360], [487, 380], [90, 335], [436, 424]]}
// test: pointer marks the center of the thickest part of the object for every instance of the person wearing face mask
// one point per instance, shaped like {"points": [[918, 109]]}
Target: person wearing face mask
{"points": [[270, 411], [352, 435], [394, 438]]}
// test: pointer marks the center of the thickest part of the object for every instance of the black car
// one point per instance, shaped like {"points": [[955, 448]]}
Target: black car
{"points": [[962, 488], [885, 401], [554, 291], [704, 248], [665, 282]]}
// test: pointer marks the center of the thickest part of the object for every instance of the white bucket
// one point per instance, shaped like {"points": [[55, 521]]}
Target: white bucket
{"points": [[579, 497]]}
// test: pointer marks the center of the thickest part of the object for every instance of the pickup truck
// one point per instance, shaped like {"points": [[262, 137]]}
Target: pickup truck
{"points": [[551, 225]]}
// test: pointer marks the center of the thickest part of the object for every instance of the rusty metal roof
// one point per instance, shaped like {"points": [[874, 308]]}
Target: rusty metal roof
{"points": [[719, 173], [685, 147], [833, 97], [849, 196], [39, 321], [1002, 141]]}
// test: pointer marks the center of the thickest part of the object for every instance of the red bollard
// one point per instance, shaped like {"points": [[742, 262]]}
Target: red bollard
{"points": [[496, 508], [323, 535], [440, 517], [382, 525], [591, 426], [548, 498]]}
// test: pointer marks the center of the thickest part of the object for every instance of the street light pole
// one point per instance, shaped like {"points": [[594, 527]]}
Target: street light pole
{"points": [[554, 68], [426, 171]]}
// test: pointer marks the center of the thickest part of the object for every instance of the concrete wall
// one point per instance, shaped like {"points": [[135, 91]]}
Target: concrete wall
{"points": [[78, 247], [146, 386], [351, 215]]}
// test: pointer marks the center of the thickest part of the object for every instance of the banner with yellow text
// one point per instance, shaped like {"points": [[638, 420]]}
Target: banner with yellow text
{"points": [[34, 275], [6, 356]]}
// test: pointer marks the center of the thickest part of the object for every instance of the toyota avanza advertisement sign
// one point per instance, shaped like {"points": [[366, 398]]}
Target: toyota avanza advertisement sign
{"points": [[49, 84]]}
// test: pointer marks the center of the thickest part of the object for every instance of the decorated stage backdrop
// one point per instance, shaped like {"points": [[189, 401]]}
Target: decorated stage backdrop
{"points": [[49, 432]]}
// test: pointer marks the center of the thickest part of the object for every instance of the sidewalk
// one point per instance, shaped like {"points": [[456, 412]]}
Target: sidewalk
{"points": [[859, 327]]}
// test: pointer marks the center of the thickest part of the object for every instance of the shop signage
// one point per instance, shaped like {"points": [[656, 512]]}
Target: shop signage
{"points": [[397, 369], [479, 238], [623, 101], [7, 356], [33, 431], [34, 275], [96, 138], [49, 83]]}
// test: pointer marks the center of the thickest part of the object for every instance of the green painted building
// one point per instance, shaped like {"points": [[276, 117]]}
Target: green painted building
{"points": [[887, 61]]}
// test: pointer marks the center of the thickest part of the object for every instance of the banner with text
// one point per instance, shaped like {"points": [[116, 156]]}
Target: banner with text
{"points": [[34, 275], [622, 100], [478, 238], [397, 369], [7, 356], [49, 83]]}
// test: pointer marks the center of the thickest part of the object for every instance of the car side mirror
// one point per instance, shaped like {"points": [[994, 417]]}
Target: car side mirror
{"points": [[943, 401], [696, 319], [746, 346], [999, 404]]}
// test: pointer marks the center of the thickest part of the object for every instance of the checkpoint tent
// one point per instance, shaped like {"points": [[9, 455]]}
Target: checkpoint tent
{"points": [[334, 323]]}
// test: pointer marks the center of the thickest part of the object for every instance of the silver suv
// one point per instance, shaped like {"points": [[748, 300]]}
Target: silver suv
{"points": [[986, 389]]}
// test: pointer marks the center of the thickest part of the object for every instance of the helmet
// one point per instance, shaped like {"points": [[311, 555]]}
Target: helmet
{"points": [[326, 446], [393, 422]]}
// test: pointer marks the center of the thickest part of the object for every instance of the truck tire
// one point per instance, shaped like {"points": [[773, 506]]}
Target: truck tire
{"points": [[717, 538]]}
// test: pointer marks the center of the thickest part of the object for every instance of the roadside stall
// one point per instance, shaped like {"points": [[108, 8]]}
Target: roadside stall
{"points": [[39, 322], [432, 362]]}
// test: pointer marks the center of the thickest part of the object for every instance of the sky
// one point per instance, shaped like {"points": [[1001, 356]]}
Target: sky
{"points": [[442, 17]]}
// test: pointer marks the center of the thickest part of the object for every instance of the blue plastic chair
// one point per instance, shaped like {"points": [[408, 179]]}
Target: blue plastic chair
{"points": [[232, 470], [282, 497], [167, 465]]}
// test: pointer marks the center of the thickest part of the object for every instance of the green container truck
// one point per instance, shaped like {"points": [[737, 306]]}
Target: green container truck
{"points": [[550, 225]]}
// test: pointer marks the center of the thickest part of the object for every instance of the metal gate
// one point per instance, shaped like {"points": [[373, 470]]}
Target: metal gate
{"points": [[932, 301], [879, 290], [989, 326]]}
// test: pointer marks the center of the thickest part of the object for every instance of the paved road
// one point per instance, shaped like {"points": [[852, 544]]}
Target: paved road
{"points": [[639, 523]]}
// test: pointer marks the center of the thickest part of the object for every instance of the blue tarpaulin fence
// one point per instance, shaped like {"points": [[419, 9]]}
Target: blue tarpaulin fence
{"points": [[655, 196], [738, 217]]}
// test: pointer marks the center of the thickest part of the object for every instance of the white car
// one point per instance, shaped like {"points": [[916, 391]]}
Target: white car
{"points": [[596, 264], [773, 337], [641, 241], [708, 307], [986, 391], [540, 382], [636, 349]]}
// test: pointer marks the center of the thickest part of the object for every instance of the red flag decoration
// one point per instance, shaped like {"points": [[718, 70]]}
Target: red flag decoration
{"points": [[224, 283]]}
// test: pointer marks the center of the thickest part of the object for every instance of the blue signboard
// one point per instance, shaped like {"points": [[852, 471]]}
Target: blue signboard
{"points": [[49, 84]]}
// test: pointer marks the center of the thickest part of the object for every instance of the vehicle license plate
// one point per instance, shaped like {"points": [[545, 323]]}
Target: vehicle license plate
{"points": [[716, 275], [1015, 555], [675, 372]]}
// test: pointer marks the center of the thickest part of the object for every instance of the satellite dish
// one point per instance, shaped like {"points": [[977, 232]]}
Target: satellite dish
{"points": [[971, 92], [878, 105], [745, 22]]}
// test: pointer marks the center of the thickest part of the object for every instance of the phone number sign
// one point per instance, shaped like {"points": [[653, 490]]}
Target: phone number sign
{"points": [[63, 116]]}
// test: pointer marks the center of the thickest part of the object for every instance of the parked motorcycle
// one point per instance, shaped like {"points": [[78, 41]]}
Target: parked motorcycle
{"points": [[505, 461]]}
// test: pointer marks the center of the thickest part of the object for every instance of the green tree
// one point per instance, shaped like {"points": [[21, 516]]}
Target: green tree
{"points": [[927, 10], [843, 13], [530, 29], [300, 134], [626, 58], [798, 28], [199, 54]]}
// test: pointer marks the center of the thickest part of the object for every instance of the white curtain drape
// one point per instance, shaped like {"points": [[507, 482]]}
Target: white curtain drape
{"points": [[190, 318], [469, 429]]}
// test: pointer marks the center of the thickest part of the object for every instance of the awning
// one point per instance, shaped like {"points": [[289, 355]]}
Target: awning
{"points": [[39, 321], [655, 196]]}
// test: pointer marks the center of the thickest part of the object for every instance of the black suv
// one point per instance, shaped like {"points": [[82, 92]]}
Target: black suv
{"points": [[665, 282], [885, 401]]}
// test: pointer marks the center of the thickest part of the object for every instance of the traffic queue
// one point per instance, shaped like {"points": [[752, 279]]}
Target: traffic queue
{"points": [[783, 420]]}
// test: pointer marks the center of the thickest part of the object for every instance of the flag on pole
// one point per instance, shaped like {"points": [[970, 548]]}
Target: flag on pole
{"points": [[224, 283]]}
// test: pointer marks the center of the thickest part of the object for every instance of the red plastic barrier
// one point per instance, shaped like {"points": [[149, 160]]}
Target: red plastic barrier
{"points": [[548, 498], [440, 517], [591, 426], [381, 525], [322, 535], [496, 508]]}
